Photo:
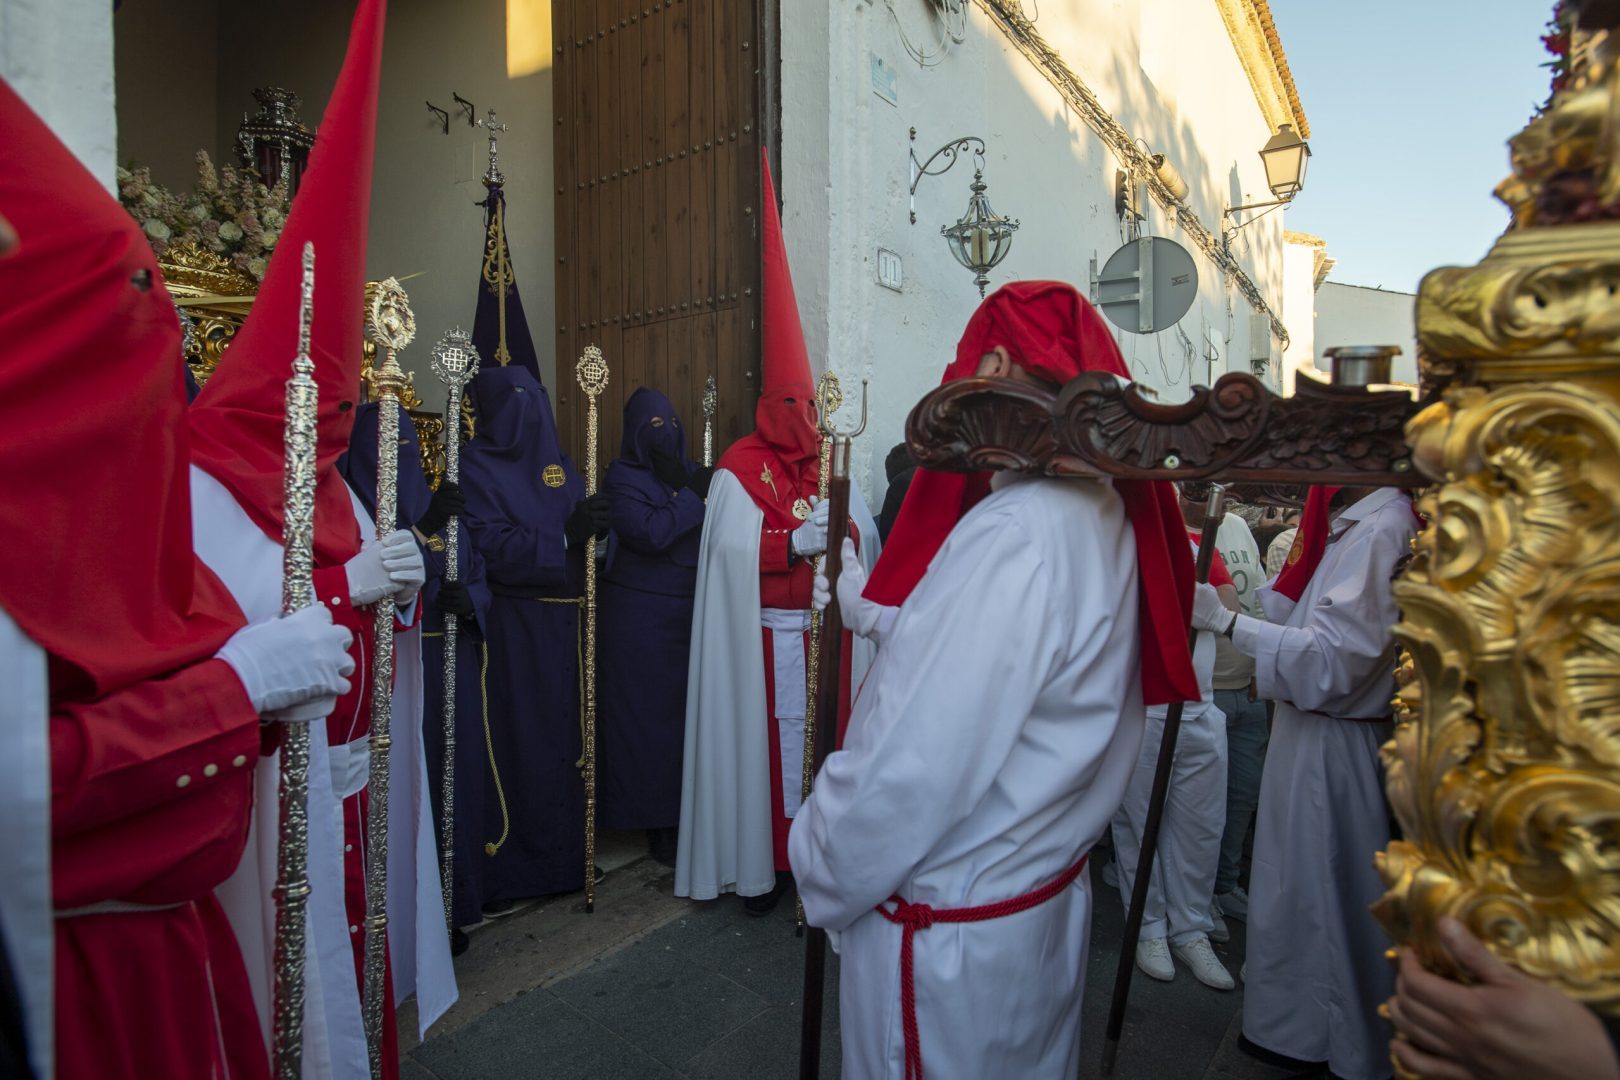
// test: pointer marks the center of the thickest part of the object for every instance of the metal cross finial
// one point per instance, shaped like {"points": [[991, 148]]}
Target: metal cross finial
{"points": [[493, 177]]}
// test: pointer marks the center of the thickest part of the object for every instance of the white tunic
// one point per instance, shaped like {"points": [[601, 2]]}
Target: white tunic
{"points": [[26, 922], [249, 563], [988, 749], [1316, 971], [726, 811]]}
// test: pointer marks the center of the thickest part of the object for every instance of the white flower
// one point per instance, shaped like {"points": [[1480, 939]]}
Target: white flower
{"points": [[198, 213], [258, 266], [270, 239], [231, 231], [157, 230]]}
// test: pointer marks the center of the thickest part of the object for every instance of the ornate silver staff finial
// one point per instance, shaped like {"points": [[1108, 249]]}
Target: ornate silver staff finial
{"points": [[455, 361], [711, 405], [297, 591], [390, 324], [592, 373], [493, 177]]}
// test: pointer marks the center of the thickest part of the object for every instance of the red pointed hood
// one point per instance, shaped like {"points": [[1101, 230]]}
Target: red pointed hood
{"points": [[1051, 331], [93, 432], [238, 418], [785, 417]]}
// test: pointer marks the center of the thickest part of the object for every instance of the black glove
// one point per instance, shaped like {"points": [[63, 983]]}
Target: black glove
{"points": [[702, 477], [454, 599], [670, 470], [448, 501], [591, 517]]}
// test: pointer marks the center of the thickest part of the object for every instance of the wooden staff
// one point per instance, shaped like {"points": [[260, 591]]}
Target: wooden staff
{"points": [[830, 698], [392, 326], [454, 362], [592, 373], [711, 402], [1156, 798], [297, 591]]}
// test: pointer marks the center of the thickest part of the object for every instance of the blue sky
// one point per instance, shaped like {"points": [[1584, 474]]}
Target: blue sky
{"points": [[1411, 103]]}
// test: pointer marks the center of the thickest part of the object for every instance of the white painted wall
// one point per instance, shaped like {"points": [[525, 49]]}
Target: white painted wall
{"points": [[1299, 310], [58, 56], [1353, 315], [1164, 68]]}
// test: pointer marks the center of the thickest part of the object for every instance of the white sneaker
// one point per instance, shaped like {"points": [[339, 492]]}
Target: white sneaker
{"points": [[1111, 875], [1220, 933], [1201, 960], [1153, 958], [1234, 903]]}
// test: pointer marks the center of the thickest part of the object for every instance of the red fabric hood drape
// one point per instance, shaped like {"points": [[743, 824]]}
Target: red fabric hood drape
{"points": [[1052, 332], [1310, 542], [785, 419], [98, 504], [237, 421]]}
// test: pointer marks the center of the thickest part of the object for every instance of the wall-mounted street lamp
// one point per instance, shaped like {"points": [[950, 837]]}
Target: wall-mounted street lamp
{"points": [[981, 238], [1285, 156]]}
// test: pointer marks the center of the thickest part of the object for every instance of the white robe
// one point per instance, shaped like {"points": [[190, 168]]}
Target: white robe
{"points": [[249, 563], [726, 811], [25, 841], [988, 749], [1316, 971]]}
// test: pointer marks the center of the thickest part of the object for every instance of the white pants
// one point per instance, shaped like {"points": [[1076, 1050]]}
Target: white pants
{"points": [[1182, 883]]}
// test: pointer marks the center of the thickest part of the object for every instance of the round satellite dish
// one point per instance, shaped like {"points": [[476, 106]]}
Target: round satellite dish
{"points": [[1147, 285]]}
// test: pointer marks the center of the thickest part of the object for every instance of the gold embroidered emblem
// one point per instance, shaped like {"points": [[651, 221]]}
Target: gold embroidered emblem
{"points": [[1296, 550], [801, 509], [554, 476]]}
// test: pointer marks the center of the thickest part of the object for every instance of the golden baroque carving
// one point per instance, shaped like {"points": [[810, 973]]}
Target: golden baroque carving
{"points": [[430, 436], [188, 270], [214, 295], [1505, 766], [1541, 295]]}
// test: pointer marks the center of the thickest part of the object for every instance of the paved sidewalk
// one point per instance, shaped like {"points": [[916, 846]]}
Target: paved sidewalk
{"points": [[652, 987]]}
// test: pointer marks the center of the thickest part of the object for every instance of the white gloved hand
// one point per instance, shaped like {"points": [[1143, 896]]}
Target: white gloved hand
{"points": [[864, 617], [811, 537], [403, 561], [1209, 612], [388, 567], [369, 580], [291, 661]]}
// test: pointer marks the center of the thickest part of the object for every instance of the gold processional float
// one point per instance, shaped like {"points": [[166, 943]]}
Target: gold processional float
{"points": [[1504, 770]]}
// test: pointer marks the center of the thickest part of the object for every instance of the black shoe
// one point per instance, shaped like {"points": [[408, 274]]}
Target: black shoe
{"points": [[459, 942], [662, 845], [496, 909], [765, 903]]}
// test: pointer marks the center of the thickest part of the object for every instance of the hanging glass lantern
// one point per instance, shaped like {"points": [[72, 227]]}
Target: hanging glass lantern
{"points": [[982, 238]]}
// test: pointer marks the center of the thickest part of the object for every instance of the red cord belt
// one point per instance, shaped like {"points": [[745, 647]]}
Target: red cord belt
{"points": [[914, 917]]}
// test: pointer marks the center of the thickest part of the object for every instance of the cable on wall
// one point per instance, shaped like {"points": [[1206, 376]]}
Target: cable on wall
{"points": [[951, 17], [1020, 29]]}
